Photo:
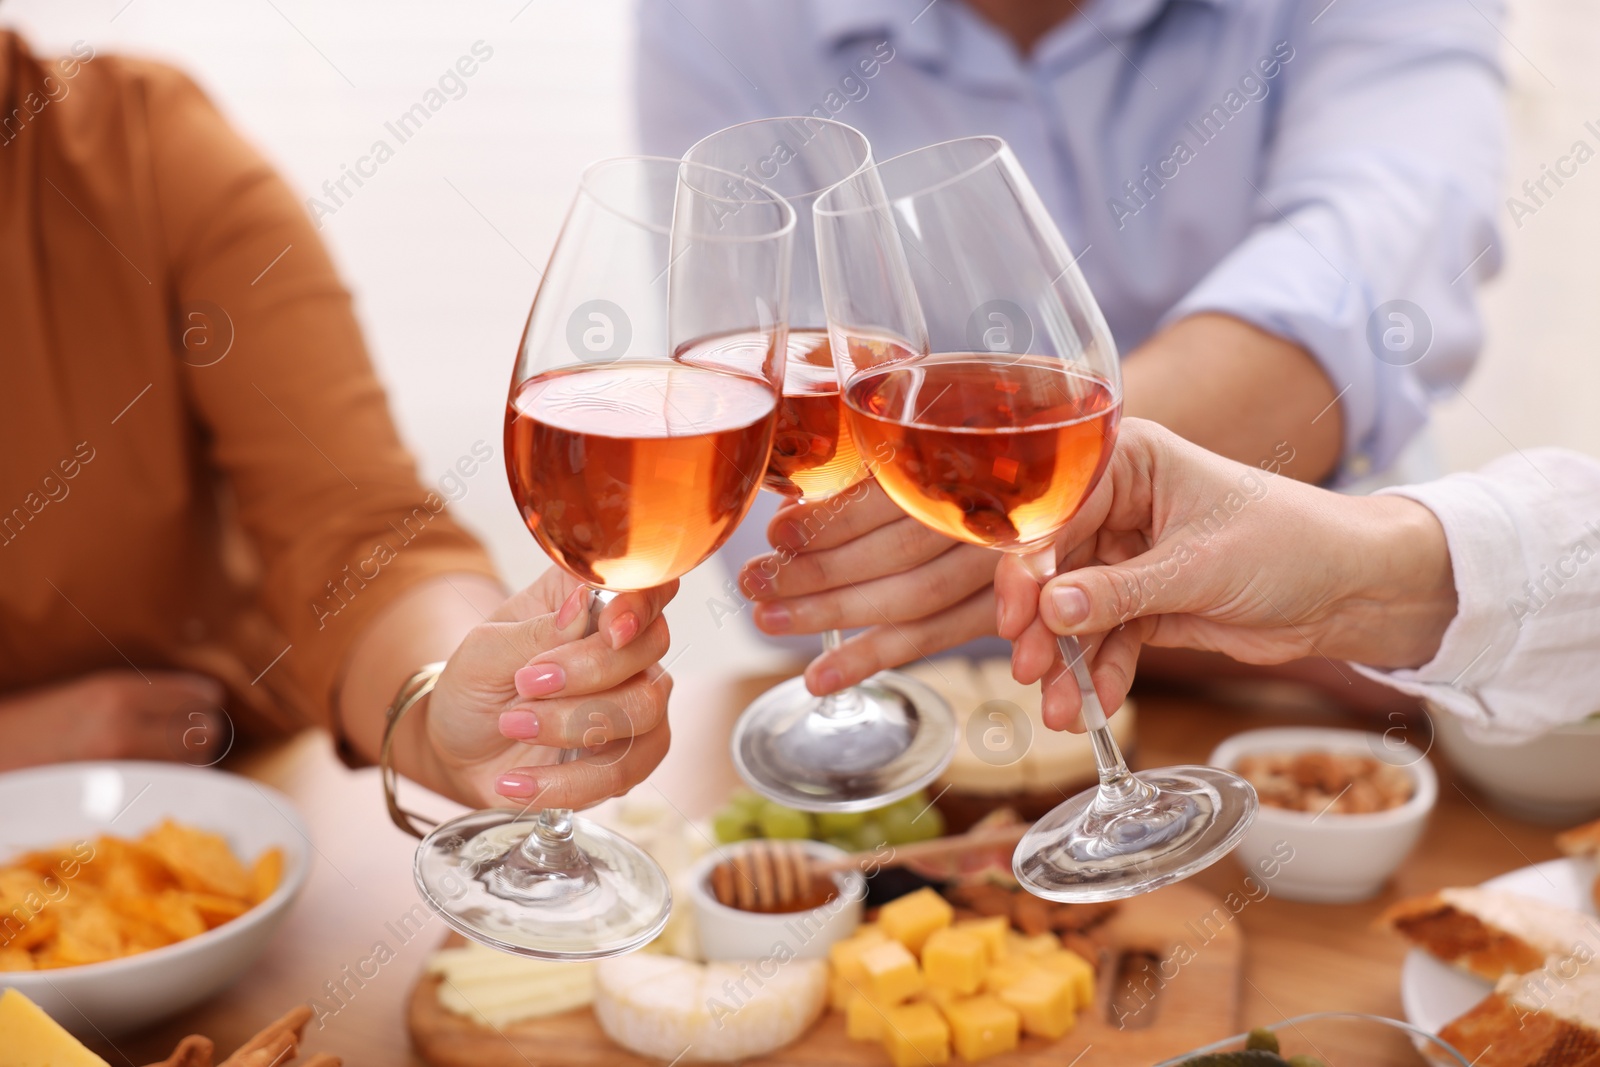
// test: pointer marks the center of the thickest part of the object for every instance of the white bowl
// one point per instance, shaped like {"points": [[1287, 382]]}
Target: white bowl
{"points": [[733, 934], [1552, 779], [1331, 858], [47, 806]]}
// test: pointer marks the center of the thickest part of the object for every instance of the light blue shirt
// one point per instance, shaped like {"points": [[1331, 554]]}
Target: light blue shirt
{"points": [[1301, 166]]}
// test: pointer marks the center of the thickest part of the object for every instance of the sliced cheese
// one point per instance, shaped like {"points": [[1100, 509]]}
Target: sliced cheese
{"points": [[496, 989], [30, 1038]]}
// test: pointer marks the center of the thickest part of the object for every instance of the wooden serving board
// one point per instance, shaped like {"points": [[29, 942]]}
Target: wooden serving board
{"points": [[1188, 998]]}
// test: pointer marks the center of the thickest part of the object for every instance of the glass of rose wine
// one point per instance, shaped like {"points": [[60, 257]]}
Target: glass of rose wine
{"points": [[870, 744], [630, 466], [982, 382]]}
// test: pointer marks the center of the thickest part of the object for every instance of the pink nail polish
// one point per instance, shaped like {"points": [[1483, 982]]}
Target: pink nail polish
{"points": [[774, 618], [571, 606], [519, 725], [519, 786], [623, 629], [539, 680]]}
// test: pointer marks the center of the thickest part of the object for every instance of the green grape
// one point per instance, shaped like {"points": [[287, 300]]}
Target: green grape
{"points": [[839, 822], [843, 842], [929, 825], [898, 828], [777, 821], [912, 804], [869, 835], [729, 825], [747, 804]]}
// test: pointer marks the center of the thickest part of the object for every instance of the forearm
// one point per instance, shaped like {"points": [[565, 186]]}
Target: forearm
{"points": [[424, 626], [1238, 391]]}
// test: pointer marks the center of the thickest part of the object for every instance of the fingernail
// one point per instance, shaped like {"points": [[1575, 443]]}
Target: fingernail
{"points": [[1072, 607], [539, 679], [519, 786], [623, 628], [756, 584], [519, 725], [774, 618], [570, 607], [830, 680]]}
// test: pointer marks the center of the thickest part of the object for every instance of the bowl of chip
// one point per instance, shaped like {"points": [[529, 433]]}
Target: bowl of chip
{"points": [[130, 891]]}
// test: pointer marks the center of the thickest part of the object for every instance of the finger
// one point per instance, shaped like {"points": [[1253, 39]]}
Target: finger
{"points": [[890, 549], [609, 771], [809, 527], [635, 706], [163, 691], [883, 647], [1114, 664], [1095, 599], [1016, 598], [1033, 652], [630, 614], [915, 594], [590, 664]]}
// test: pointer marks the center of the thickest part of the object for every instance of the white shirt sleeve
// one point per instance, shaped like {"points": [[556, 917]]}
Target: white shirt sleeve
{"points": [[1522, 655]]}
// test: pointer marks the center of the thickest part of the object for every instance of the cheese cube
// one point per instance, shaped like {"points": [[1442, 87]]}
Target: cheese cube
{"points": [[915, 1035], [911, 918], [991, 931], [863, 1020], [939, 998], [955, 960], [849, 978], [1008, 972], [1037, 945], [30, 1037], [981, 1027], [1045, 1001], [892, 974], [1079, 970]]}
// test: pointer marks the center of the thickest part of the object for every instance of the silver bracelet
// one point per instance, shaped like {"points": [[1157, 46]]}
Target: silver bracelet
{"points": [[415, 688]]}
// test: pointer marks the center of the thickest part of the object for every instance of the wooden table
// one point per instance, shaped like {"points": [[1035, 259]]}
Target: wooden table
{"points": [[1300, 957]]}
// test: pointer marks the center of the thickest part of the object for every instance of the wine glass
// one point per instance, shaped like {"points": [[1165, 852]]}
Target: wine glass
{"points": [[630, 466], [982, 381], [870, 744]]}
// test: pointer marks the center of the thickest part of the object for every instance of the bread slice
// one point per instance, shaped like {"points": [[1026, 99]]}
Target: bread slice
{"points": [[1549, 1018], [1491, 933]]}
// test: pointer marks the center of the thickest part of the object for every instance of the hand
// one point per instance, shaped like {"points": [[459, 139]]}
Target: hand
{"points": [[1177, 546], [108, 715], [528, 683], [857, 560]]}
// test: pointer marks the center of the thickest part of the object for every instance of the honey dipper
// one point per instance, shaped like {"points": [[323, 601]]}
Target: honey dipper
{"points": [[772, 875]]}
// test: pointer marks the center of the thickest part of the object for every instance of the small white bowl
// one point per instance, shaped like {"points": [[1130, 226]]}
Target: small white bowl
{"points": [[1331, 858], [47, 806], [733, 934], [1554, 778]]}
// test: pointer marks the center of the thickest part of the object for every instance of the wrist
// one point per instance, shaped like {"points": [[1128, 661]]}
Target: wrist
{"points": [[1399, 595]]}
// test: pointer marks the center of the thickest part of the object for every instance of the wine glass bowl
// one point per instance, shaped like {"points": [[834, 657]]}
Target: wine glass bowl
{"points": [[876, 742], [631, 461], [983, 386]]}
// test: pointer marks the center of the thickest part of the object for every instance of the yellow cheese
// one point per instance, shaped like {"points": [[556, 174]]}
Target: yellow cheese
{"points": [[911, 918], [892, 973], [849, 978], [981, 1027], [1037, 945], [915, 1035], [1008, 972], [863, 1020], [992, 932], [955, 960], [30, 1038], [1045, 1001], [1081, 972]]}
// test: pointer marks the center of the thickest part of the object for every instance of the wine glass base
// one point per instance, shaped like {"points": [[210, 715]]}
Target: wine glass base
{"points": [[1081, 853], [618, 903], [894, 737]]}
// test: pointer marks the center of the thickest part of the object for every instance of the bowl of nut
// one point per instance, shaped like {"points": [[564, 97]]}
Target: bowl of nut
{"points": [[1340, 809]]}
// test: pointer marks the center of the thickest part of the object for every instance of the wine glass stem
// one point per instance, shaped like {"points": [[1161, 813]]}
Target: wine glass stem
{"points": [[1119, 787], [845, 704], [549, 845]]}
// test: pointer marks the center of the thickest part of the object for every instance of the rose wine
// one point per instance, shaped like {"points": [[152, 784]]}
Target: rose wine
{"points": [[998, 453], [631, 475]]}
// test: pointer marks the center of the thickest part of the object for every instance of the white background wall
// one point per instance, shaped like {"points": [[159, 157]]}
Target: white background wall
{"points": [[440, 246]]}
